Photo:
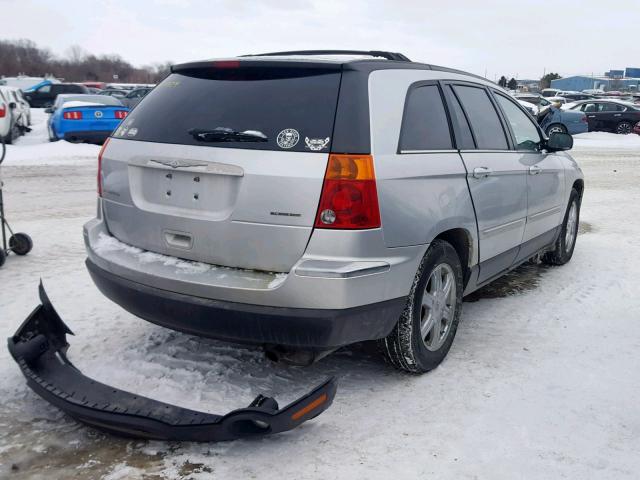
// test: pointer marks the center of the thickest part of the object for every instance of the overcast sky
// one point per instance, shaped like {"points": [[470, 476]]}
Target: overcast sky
{"points": [[514, 38]]}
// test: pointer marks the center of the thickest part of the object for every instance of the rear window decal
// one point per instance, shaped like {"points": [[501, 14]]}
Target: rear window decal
{"points": [[288, 138], [316, 144]]}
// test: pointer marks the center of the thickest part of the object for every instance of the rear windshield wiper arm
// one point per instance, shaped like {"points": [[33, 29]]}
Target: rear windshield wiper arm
{"points": [[223, 134]]}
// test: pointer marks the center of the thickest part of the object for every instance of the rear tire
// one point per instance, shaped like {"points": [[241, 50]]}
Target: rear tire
{"points": [[566, 242], [20, 243], [423, 336], [624, 128]]}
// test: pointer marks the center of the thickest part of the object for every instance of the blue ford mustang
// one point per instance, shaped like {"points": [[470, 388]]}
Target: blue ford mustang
{"points": [[84, 118]]}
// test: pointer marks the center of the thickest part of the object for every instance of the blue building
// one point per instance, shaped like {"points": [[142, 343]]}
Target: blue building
{"points": [[628, 79]]}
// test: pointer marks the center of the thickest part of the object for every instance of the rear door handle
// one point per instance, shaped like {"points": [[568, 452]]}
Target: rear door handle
{"points": [[591, 116], [534, 170], [618, 115], [481, 172]]}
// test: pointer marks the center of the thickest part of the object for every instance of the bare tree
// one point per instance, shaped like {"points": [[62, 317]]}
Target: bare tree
{"points": [[25, 57]]}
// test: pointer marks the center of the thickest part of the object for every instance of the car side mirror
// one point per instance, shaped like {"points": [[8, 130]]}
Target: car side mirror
{"points": [[48, 110], [12, 105], [559, 141]]}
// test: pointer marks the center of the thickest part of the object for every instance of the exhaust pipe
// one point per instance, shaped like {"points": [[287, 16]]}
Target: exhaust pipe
{"points": [[293, 356]]}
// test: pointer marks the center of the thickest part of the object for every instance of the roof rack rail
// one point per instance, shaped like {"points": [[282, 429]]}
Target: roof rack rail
{"points": [[373, 53]]}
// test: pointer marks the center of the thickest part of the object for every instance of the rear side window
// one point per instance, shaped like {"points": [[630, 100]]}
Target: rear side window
{"points": [[464, 139], [425, 125], [282, 109], [483, 117]]}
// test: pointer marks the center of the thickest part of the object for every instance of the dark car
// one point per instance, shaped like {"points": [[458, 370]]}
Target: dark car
{"points": [[45, 95], [609, 115], [114, 92], [575, 97], [134, 96]]}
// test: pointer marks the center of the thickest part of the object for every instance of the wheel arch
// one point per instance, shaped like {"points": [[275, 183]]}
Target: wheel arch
{"points": [[579, 186], [462, 241]]}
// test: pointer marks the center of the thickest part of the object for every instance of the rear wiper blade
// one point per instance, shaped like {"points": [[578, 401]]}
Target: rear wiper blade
{"points": [[223, 134]]}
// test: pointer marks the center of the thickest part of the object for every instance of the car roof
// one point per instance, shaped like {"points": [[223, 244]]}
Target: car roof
{"points": [[606, 100], [335, 59]]}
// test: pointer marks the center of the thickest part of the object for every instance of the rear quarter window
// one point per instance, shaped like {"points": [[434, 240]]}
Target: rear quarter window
{"points": [[425, 125], [294, 109]]}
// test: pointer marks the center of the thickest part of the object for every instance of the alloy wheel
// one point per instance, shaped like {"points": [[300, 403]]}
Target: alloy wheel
{"points": [[624, 128], [571, 228], [438, 307]]}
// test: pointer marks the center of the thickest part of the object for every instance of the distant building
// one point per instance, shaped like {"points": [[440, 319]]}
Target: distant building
{"points": [[628, 79], [528, 85], [632, 72]]}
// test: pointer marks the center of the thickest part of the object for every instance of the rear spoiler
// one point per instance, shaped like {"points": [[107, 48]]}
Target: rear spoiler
{"points": [[39, 348]]}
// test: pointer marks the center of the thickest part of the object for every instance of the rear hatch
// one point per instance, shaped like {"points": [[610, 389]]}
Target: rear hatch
{"points": [[223, 163]]}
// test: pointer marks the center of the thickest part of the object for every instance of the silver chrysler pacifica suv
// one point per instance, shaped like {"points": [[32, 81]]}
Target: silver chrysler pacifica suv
{"points": [[308, 200]]}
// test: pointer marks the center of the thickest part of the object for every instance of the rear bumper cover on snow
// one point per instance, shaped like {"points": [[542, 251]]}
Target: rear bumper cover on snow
{"points": [[311, 328], [39, 347]]}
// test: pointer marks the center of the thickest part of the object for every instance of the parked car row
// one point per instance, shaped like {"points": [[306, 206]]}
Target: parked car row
{"points": [[45, 95], [592, 114], [15, 114]]}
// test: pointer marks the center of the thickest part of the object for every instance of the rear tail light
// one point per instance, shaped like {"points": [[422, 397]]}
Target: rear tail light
{"points": [[584, 119], [121, 113], [72, 115], [349, 199], [104, 146], [3, 111]]}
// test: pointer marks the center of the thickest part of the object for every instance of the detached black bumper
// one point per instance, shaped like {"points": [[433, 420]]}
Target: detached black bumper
{"points": [[239, 322], [39, 347], [87, 136]]}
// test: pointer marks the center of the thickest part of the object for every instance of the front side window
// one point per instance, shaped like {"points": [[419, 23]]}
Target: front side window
{"points": [[483, 117], [526, 133], [425, 125]]}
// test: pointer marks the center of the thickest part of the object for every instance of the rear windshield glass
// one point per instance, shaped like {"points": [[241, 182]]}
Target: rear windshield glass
{"points": [[101, 99], [258, 108]]}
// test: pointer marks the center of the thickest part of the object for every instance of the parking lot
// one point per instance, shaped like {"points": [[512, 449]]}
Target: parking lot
{"points": [[541, 379]]}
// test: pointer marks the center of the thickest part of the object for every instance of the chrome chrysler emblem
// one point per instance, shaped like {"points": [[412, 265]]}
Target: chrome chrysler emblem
{"points": [[97, 114], [175, 163]]}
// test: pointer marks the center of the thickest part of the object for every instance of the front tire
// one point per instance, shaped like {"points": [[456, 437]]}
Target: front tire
{"points": [[566, 242], [556, 128], [52, 134], [423, 336]]}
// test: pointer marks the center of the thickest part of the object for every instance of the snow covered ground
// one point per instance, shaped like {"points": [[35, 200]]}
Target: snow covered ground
{"points": [[542, 381]]}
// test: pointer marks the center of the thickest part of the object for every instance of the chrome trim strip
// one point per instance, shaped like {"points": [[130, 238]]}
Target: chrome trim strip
{"points": [[500, 228], [428, 151], [329, 269], [544, 213], [488, 151]]}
